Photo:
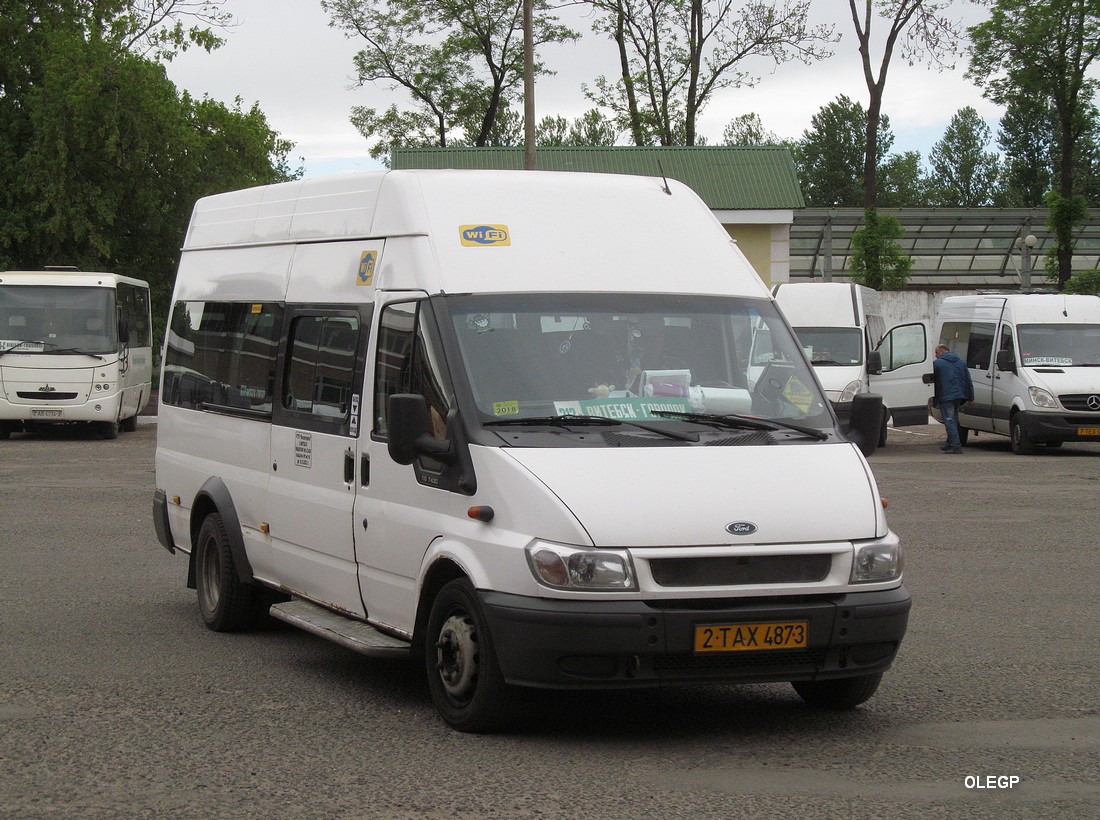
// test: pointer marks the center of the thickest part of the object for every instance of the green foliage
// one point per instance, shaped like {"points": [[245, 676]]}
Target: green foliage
{"points": [[748, 129], [901, 182], [1066, 213], [831, 153], [591, 128], [103, 159], [460, 62], [964, 174], [1085, 281], [877, 260]]}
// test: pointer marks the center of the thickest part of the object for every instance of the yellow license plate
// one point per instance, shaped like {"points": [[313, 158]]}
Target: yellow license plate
{"points": [[1088, 431], [751, 637]]}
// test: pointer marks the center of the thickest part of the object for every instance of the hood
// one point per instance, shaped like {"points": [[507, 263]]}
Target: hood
{"points": [[1066, 380], [686, 496]]}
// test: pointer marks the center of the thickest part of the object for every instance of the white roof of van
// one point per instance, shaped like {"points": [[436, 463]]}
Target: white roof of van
{"points": [[566, 231], [1024, 308]]}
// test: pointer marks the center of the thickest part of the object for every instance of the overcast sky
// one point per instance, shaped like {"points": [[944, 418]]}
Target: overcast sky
{"points": [[283, 55]]}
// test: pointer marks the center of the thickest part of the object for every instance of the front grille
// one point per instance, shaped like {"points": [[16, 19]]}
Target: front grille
{"points": [[46, 396], [738, 570], [672, 664], [1080, 402]]}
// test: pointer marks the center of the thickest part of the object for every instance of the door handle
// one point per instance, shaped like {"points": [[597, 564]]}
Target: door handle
{"points": [[364, 470], [349, 466]]}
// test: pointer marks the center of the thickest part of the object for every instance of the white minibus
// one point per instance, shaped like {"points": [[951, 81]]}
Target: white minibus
{"points": [[1035, 363], [840, 326], [504, 423], [75, 348]]}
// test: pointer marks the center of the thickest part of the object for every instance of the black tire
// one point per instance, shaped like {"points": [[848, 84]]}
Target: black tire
{"points": [[464, 677], [108, 429], [226, 604], [5, 431], [844, 693], [1022, 445], [885, 426], [964, 434], [129, 425]]}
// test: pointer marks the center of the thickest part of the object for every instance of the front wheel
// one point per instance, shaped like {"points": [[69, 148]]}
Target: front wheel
{"points": [[226, 604], [1022, 445], [845, 693], [464, 677]]}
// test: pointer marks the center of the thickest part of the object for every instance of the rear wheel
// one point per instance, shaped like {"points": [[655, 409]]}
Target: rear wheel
{"points": [[885, 426], [226, 604], [129, 425], [845, 693], [108, 429], [1022, 445], [464, 677]]}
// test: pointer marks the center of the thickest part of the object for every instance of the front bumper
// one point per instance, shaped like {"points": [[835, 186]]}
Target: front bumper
{"points": [[554, 643], [1043, 427]]}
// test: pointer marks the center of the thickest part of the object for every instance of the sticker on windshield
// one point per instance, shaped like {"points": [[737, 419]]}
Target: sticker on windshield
{"points": [[798, 394], [629, 408], [1047, 361], [23, 345], [481, 236], [505, 408]]}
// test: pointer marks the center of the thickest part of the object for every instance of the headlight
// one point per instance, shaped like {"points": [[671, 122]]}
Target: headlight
{"points": [[1041, 398], [851, 390], [880, 561], [564, 567]]}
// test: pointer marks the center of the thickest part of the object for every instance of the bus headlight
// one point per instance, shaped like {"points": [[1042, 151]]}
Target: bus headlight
{"points": [[1041, 398], [591, 570], [880, 561]]}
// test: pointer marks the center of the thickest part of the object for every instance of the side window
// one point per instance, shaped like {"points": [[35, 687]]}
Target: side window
{"points": [[903, 345], [222, 354], [970, 341], [319, 376], [409, 363], [1007, 345]]}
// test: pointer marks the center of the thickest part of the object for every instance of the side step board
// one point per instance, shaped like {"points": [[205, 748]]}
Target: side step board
{"points": [[327, 624]]}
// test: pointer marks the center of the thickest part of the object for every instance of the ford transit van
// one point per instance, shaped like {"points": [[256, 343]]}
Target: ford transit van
{"points": [[1035, 363], [505, 423], [841, 328]]}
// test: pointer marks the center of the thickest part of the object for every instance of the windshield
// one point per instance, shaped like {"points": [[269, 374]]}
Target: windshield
{"points": [[1059, 345], [831, 346], [632, 358], [57, 319]]}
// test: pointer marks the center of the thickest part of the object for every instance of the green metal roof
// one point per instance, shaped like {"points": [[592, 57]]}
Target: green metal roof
{"points": [[727, 178]]}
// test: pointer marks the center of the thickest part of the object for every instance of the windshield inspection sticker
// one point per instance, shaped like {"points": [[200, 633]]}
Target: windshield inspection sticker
{"points": [[798, 394], [481, 236]]}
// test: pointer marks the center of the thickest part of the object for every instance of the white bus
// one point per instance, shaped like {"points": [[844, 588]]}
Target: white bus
{"points": [[75, 347]]}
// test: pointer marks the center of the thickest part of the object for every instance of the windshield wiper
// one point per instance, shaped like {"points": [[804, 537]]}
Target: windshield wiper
{"points": [[735, 421], [574, 420], [78, 352]]}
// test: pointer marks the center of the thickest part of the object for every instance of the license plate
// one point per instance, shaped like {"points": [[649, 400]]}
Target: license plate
{"points": [[45, 414], [1088, 431], [751, 637]]}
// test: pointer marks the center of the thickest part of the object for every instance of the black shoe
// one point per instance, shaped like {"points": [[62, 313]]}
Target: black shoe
{"points": [[952, 451]]}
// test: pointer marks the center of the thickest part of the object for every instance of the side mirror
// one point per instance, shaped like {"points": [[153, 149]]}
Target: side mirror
{"points": [[866, 422], [407, 429], [1006, 361], [874, 363]]}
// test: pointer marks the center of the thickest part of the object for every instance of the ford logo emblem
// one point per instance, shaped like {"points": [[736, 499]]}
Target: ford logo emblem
{"points": [[741, 528]]}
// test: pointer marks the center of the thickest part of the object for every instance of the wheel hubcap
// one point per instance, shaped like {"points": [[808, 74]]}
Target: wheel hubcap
{"points": [[456, 657], [211, 578]]}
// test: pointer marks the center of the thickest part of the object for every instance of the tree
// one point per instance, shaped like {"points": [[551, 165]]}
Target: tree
{"points": [[461, 62], [1027, 142], [674, 55], [921, 30], [902, 183], [964, 174], [1043, 48], [829, 156], [748, 129], [103, 159], [877, 260]]}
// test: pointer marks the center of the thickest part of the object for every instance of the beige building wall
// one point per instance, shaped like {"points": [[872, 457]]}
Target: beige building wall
{"points": [[765, 239]]}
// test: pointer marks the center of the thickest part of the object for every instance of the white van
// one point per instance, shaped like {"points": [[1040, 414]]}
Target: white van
{"points": [[75, 348], [1035, 363], [840, 326], [502, 421]]}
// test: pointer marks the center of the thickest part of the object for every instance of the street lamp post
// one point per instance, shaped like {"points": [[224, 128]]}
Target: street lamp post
{"points": [[1025, 244]]}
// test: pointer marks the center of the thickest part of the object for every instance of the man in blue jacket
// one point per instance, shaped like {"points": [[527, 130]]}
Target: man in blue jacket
{"points": [[953, 387]]}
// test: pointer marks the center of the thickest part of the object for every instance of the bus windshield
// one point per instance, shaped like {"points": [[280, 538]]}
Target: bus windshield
{"points": [[1059, 345], [57, 319], [651, 357]]}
